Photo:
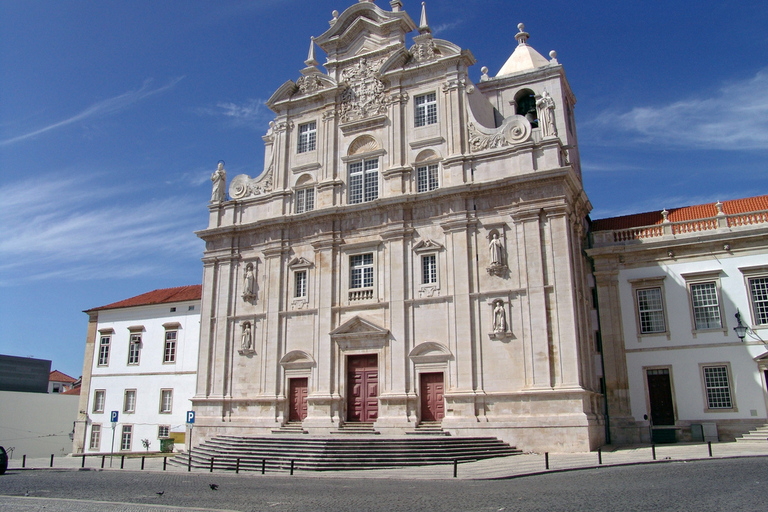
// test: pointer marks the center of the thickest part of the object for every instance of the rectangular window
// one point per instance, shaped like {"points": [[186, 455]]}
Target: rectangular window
{"points": [[126, 437], [650, 307], [718, 387], [300, 284], [169, 352], [134, 347], [163, 431], [98, 400], [305, 200], [95, 443], [426, 109], [129, 402], [307, 137], [706, 307], [166, 400], [429, 269], [361, 271], [363, 181], [758, 290], [426, 178], [104, 350]]}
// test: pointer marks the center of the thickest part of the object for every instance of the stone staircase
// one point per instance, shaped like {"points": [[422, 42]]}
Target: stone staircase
{"points": [[758, 435], [278, 453]]}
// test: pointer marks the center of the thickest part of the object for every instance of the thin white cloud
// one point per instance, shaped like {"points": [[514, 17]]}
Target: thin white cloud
{"points": [[252, 112], [65, 227], [100, 108], [446, 27], [736, 118]]}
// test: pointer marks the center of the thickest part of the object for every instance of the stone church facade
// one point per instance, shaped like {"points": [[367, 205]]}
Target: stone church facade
{"points": [[411, 255]]}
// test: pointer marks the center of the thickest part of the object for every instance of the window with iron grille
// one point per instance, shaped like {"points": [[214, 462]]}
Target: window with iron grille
{"points": [[166, 400], [758, 289], [104, 344], [98, 400], [169, 351], [300, 284], [95, 443], [718, 387], [364, 181], [361, 271], [426, 178], [307, 137], [134, 347], [126, 438], [305, 200], [426, 109], [650, 308], [129, 401], [163, 431], [429, 269], [706, 307]]}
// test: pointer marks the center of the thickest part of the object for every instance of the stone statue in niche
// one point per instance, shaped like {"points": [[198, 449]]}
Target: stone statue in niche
{"points": [[246, 338], [497, 255], [249, 283], [546, 107], [219, 179], [499, 318]]}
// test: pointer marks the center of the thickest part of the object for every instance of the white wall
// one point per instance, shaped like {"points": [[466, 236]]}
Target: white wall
{"points": [[37, 424]]}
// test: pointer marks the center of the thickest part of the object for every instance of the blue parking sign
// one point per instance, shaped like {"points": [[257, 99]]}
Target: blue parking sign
{"points": [[113, 417], [190, 417]]}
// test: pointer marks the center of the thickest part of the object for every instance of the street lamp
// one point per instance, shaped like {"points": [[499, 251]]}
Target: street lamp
{"points": [[741, 329]]}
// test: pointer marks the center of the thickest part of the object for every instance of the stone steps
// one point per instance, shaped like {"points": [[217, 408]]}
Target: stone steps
{"points": [[329, 453], [758, 435]]}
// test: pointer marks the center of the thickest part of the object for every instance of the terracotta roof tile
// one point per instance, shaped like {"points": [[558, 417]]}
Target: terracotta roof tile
{"points": [[163, 296], [701, 211], [74, 391], [57, 376]]}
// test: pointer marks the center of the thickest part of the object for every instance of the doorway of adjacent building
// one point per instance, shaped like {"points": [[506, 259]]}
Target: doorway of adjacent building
{"points": [[662, 408], [298, 399], [362, 388], [431, 391]]}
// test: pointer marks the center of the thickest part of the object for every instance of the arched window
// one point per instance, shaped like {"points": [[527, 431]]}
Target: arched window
{"points": [[427, 171], [363, 170], [525, 102], [304, 195]]}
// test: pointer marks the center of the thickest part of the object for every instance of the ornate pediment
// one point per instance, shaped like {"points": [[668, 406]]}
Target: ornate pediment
{"points": [[357, 327], [430, 352], [300, 263], [297, 359], [427, 245]]}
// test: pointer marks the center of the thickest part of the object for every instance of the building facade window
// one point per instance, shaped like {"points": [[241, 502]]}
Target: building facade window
{"points": [[163, 431], [361, 271], [429, 269], [758, 292], [307, 137], [129, 401], [300, 284], [169, 351], [649, 306], [426, 109], [126, 437], [305, 200], [95, 442], [718, 387], [134, 348], [364, 181], [99, 397], [427, 177], [104, 344], [706, 306], [166, 401]]}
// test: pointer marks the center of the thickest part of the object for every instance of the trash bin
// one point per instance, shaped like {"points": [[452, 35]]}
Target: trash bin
{"points": [[3, 460], [166, 445]]}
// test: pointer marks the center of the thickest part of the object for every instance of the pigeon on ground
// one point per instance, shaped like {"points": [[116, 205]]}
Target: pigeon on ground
{"points": [[160, 493], [214, 487]]}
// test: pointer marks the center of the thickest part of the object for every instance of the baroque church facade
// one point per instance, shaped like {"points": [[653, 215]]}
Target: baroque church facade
{"points": [[411, 255]]}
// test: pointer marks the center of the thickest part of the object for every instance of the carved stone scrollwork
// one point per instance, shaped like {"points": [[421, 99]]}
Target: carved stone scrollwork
{"points": [[454, 84], [243, 186], [309, 84], [364, 96], [513, 130], [423, 51]]}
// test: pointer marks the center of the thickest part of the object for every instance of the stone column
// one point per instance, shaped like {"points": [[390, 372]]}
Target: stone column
{"points": [[80, 440], [274, 294]]}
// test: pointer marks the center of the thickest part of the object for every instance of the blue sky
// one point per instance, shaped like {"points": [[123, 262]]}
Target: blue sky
{"points": [[113, 114]]}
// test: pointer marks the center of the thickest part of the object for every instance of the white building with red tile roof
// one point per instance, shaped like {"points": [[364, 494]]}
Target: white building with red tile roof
{"points": [[670, 285], [59, 382], [141, 362]]}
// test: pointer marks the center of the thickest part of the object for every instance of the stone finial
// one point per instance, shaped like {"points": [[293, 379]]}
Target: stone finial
{"points": [[553, 57], [665, 214], [719, 207], [311, 61], [423, 25], [522, 36], [396, 5], [484, 71]]}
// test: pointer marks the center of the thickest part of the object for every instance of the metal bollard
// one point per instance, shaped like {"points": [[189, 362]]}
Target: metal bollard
{"points": [[709, 445], [599, 456], [211, 471], [102, 461], [122, 461], [653, 451], [455, 467], [189, 462], [24, 460], [263, 465], [546, 460], [291, 468], [82, 464], [51, 460], [165, 462], [237, 466], [142, 463]]}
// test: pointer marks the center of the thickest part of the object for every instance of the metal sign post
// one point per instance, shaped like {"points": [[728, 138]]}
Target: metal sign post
{"points": [[113, 419], [190, 424]]}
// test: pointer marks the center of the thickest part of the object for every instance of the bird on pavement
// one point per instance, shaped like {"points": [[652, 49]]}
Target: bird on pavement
{"points": [[214, 487], [160, 493]]}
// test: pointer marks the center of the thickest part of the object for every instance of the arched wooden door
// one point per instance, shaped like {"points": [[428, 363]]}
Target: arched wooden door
{"points": [[362, 388]]}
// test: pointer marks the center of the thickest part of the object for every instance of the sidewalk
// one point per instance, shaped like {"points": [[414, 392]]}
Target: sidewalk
{"points": [[497, 468]]}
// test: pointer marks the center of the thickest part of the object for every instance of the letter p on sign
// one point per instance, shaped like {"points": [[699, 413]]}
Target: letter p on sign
{"points": [[190, 417]]}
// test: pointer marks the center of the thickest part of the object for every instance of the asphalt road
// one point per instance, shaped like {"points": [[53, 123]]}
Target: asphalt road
{"points": [[706, 485]]}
